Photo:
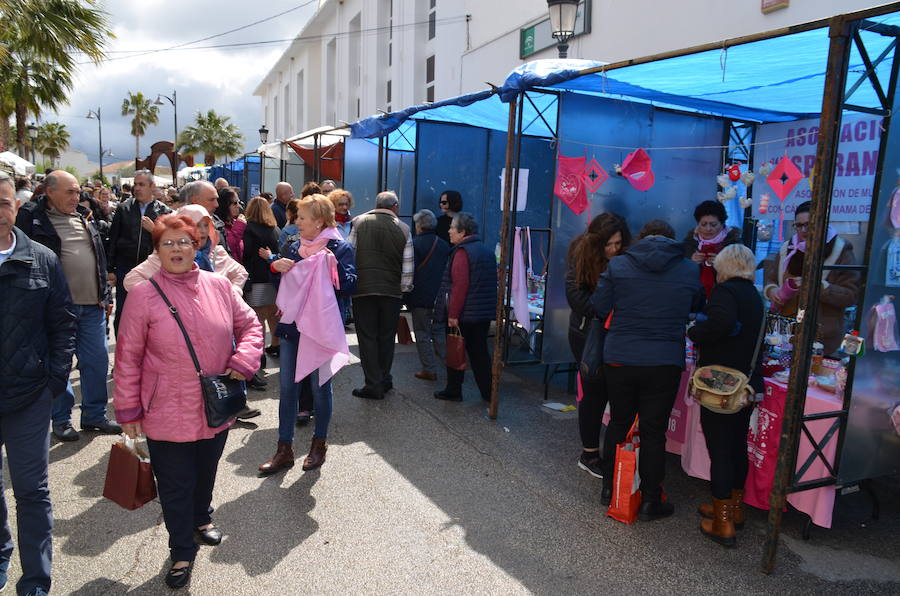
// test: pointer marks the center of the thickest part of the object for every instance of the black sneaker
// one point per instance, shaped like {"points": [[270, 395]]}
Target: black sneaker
{"points": [[65, 432], [104, 426], [654, 510], [303, 418], [591, 463], [447, 396], [365, 393], [606, 494], [247, 412], [258, 383]]}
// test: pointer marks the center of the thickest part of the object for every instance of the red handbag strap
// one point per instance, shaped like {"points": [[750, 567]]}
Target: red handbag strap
{"points": [[428, 256]]}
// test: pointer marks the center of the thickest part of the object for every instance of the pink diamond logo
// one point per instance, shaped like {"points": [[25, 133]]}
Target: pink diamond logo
{"points": [[784, 178], [594, 175]]}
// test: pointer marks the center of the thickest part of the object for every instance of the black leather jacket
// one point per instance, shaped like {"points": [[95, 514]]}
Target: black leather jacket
{"points": [[34, 222], [37, 325], [129, 243]]}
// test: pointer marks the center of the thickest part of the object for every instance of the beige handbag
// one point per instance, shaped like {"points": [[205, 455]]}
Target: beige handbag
{"points": [[722, 389]]}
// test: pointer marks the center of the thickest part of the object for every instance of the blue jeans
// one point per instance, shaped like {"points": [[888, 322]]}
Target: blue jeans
{"points": [[92, 352], [289, 398], [27, 439]]}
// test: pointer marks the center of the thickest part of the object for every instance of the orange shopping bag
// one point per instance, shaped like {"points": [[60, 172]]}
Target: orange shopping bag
{"points": [[626, 495]]}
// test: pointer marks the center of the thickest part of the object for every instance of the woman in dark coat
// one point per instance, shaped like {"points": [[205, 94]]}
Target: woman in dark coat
{"points": [[728, 335], [450, 203], [261, 235], [711, 235], [467, 299], [607, 236]]}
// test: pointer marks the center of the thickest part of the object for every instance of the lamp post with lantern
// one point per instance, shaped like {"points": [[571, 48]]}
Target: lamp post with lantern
{"points": [[562, 23], [263, 139], [32, 136]]}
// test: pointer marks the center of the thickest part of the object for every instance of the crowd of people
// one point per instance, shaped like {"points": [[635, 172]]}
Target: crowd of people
{"points": [[201, 263]]}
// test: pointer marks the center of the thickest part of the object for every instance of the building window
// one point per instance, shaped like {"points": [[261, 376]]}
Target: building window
{"points": [[433, 2], [388, 98], [429, 70], [429, 94], [390, 54], [431, 24]]}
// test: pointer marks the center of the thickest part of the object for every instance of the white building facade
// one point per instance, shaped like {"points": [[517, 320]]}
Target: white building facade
{"points": [[355, 58]]}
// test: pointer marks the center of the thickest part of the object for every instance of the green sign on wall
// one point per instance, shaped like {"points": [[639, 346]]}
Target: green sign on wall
{"points": [[537, 37]]}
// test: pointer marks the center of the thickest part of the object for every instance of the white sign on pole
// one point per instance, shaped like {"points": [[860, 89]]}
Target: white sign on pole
{"points": [[855, 164], [522, 198]]}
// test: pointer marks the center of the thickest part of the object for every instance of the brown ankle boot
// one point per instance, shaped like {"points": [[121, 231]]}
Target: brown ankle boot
{"points": [[737, 508], [282, 460], [316, 455], [721, 527], [737, 503]]}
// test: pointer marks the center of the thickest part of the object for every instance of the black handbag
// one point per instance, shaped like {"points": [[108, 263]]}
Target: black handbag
{"points": [[591, 366], [223, 397]]}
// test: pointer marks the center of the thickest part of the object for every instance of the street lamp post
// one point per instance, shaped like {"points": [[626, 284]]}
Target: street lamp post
{"points": [[263, 139], [96, 114], [174, 101], [562, 23], [32, 136]]}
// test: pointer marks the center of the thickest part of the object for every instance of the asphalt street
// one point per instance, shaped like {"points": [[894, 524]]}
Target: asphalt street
{"points": [[420, 496]]}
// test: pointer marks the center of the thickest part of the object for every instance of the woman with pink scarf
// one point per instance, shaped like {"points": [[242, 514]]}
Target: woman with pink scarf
{"points": [[710, 236], [319, 239]]}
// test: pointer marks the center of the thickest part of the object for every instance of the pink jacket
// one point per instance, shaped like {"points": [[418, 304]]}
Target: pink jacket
{"points": [[306, 298], [155, 380], [234, 236], [222, 263]]}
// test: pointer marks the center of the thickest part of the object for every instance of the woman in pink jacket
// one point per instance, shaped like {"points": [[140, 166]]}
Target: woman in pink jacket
{"points": [[157, 392]]}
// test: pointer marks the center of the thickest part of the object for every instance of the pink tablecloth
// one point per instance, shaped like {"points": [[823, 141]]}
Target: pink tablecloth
{"points": [[762, 445]]}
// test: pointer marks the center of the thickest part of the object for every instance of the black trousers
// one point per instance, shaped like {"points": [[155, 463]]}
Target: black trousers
{"points": [[376, 318], [185, 476], [726, 441], [475, 335], [648, 392], [594, 397]]}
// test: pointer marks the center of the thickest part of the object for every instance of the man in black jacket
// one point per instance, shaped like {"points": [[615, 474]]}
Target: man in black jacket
{"points": [[59, 223], [37, 339], [130, 242]]}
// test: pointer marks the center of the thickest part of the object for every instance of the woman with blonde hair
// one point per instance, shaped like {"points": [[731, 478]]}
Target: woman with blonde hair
{"points": [[343, 203], [322, 325], [727, 334], [261, 233]]}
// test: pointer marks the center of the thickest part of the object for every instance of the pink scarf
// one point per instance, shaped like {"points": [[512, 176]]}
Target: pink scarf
{"points": [[717, 239], [310, 247], [795, 246]]}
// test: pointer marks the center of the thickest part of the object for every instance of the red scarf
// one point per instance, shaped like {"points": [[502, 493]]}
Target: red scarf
{"points": [[342, 218]]}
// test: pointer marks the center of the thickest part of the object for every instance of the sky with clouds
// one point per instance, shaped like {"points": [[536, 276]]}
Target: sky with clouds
{"points": [[222, 79]]}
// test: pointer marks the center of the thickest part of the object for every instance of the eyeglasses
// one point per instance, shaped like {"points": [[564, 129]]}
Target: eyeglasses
{"points": [[444, 202], [181, 242], [801, 226], [235, 203]]}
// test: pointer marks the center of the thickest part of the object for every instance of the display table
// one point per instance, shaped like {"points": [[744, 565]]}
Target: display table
{"points": [[762, 446]]}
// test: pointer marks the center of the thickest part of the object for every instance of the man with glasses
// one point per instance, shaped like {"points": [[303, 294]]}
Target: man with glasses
{"points": [[57, 221], [840, 289]]}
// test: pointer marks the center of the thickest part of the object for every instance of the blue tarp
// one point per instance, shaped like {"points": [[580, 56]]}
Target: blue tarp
{"points": [[771, 80]]}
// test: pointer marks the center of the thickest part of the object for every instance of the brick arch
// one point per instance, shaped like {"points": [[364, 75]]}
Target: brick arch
{"points": [[167, 149]]}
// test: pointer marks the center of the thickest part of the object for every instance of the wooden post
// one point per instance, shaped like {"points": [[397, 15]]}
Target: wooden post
{"points": [[497, 364], [829, 135]]}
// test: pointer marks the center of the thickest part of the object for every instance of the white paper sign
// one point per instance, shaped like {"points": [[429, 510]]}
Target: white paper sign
{"points": [[522, 198], [855, 161]]}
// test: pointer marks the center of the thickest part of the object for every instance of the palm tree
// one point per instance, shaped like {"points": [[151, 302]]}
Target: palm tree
{"points": [[52, 139], [144, 113], [212, 135], [41, 42]]}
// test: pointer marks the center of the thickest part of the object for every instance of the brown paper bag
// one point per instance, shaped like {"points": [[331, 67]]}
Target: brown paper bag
{"points": [[129, 481], [404, 336], [456, 349]]}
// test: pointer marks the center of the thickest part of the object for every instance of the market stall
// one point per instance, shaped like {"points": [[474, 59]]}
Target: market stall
{"points": [[807, 110]]}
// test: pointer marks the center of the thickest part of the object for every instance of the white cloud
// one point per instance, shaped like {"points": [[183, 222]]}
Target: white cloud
{"points": [[220, 79]]}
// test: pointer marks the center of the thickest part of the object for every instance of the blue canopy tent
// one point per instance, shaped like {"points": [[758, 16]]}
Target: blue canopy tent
{"points": [[694, 111], [242, 173]]}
